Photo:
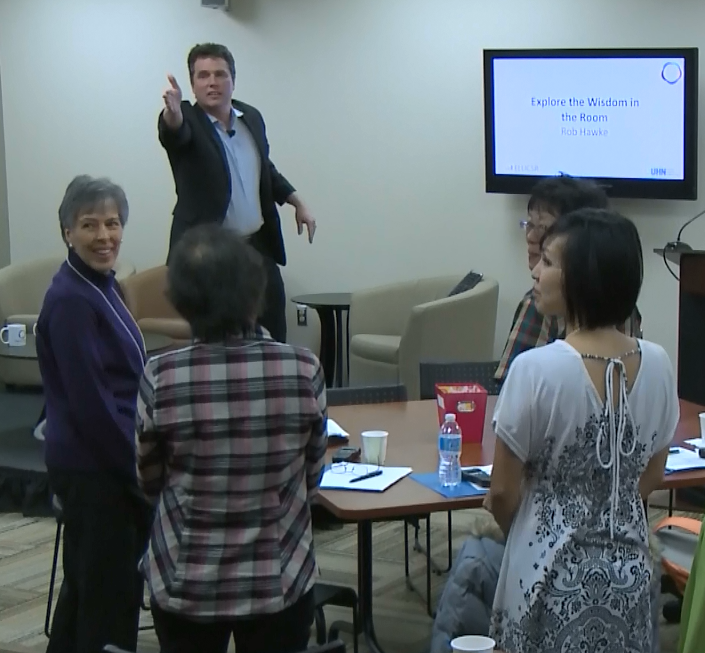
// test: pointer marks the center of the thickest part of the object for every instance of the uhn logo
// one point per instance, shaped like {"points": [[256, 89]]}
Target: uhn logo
{"points": [[659, 172]]}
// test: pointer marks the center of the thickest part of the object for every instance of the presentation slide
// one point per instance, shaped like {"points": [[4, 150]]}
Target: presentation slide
{"points": [[590, 117]]}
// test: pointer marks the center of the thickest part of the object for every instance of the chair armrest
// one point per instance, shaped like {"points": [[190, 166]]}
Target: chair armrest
{"points": [[458, 328]]}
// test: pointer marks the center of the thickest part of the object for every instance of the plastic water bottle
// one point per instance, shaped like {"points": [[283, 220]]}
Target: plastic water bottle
{"points": [[449, 446]]}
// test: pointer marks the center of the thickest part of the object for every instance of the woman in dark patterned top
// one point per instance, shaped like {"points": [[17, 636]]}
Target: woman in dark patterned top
{"points": [[231, 437], [583, 427]]}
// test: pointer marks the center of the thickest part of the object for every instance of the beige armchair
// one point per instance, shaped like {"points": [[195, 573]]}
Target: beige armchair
{"points": [[394, 327], [146, 297], [22, 290]]}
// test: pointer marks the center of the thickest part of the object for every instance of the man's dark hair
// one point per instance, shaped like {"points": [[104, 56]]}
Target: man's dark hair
{"points": [[216, 282], [602, 265], [210, 51], [563, 194]]}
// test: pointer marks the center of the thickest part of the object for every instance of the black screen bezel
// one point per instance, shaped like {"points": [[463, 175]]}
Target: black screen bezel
{"points": [[685, 189]]}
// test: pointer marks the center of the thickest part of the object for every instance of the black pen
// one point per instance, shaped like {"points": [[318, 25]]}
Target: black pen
{"points": [[366, 476]]}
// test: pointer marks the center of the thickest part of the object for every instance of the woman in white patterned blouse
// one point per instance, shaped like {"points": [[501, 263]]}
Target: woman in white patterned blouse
{"points": [[583, 427]]}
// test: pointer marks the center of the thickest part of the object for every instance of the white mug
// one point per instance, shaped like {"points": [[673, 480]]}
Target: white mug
{"points": [[374, 447], [14, 335], [474, 643]]}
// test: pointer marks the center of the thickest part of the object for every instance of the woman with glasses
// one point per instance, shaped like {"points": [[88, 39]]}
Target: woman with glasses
{"points": [[231, 438], [551, 198], [583, 429]]}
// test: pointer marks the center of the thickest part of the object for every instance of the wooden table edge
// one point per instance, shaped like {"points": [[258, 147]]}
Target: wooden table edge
{"points": [[688, 427], [399, 512]]}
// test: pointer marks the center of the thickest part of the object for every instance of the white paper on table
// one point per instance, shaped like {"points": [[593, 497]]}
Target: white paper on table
{"points": [[388, 477], [683, 460], [334, 428], [698, 443]]}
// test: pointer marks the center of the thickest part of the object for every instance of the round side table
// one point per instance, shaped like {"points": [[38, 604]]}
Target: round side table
{"points": [[330, 308]]}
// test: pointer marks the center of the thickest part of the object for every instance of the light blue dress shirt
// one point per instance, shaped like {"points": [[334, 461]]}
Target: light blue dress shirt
{"points": [[244, 213]]}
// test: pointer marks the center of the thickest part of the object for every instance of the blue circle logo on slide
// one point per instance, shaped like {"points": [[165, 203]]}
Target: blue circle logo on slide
{"points": [[671, 73]]}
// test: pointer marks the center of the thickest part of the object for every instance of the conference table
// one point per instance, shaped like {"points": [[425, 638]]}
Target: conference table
{"points": [[413, 429]]}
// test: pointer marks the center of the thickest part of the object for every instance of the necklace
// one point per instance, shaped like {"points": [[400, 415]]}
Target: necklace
{"points": [[626, 354]]}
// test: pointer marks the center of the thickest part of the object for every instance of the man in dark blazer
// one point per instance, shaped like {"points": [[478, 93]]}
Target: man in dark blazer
{"points": [[219, 156]]}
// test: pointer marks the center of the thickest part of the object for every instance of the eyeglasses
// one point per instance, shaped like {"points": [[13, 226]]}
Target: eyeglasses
{"points": [[530, 227], [353, 469]]}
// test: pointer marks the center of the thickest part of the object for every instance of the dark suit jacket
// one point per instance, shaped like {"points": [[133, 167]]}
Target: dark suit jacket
{"points": [[202, 177]]}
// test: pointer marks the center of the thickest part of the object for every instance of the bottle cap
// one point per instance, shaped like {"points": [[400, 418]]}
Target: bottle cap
{"points": [[450, 417]]}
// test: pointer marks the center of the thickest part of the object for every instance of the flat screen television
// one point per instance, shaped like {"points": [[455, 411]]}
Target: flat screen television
{"points": [[626, 118]]}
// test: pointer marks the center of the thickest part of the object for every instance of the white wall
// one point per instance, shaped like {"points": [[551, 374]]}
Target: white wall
{"points": [[4, 216], [374, 110]]}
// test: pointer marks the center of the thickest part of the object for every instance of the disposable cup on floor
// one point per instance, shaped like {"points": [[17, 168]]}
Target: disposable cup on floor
{"points": [[473, 644], [374, 447]]}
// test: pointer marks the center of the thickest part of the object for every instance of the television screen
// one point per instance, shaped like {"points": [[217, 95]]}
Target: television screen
{"points": [[626, 118]]}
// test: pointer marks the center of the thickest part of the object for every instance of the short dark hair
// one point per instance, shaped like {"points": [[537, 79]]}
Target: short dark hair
{"points": [[603, 266], [216, 282], [563, 194], [210, 51]]}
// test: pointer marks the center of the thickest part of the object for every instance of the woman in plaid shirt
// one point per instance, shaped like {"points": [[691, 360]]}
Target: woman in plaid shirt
{"points": [[231, 435]]}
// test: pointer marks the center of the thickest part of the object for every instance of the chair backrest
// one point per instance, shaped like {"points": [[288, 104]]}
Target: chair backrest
{"points": [[378, 394], [385, 310], [679, 538], [145, 294], [432, 372], [23, 285]]}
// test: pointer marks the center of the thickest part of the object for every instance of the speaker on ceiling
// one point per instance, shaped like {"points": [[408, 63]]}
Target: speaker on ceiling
{"points": [[215, 4]]}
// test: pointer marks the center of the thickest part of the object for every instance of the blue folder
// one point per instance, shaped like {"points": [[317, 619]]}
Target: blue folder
{"points": [[431, 481]]}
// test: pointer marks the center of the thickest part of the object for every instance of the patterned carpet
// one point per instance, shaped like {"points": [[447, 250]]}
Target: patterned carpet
{"points": [[26, 546]]}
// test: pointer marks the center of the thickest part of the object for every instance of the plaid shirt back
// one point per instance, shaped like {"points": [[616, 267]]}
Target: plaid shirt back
{"points": [[230, 445], [531, 329]]}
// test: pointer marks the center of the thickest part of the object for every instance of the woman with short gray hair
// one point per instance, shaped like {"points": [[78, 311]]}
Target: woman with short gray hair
{"points": [[91, 355], [231, 440]]}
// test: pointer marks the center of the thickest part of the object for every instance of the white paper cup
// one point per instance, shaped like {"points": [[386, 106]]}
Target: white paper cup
{"points": [[702, 425], [473, 643], [374, 447]]}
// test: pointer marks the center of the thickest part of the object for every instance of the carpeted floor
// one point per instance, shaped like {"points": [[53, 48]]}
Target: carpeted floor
{"points": [[26, 547]]}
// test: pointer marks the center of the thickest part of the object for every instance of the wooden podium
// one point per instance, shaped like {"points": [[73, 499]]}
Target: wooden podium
{"points": [[691, 327]]}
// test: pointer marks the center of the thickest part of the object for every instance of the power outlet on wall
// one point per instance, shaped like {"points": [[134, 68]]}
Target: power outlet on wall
{"points": [[301, 316]]}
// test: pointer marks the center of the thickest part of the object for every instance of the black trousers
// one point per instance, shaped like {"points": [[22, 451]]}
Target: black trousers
{"points": [[106, 524], [274, 316], [287, 631]]}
